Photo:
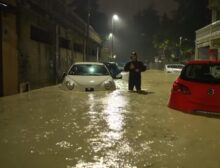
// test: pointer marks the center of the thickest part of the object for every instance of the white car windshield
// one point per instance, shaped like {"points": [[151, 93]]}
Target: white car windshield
{"points": [[88, 70]]}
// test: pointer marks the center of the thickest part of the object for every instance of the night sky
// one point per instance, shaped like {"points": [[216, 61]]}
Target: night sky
{"points": [[125, 41]]}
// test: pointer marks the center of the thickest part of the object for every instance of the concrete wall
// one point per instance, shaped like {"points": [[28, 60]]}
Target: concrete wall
{"points": [[209, 36], [68, 55], [9, 51], [37, 64], [203, 53], [31, 50]]}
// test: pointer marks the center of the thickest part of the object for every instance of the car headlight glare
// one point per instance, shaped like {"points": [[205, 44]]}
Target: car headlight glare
{"points": [[70, 85]]}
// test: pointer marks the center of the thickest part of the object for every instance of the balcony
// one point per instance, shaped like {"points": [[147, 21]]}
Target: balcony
{"points": [[94, 36], [208, 35]]}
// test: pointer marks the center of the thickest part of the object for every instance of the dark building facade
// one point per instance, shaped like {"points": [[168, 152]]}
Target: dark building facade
{"points": [[40, 39], [208, 38]]}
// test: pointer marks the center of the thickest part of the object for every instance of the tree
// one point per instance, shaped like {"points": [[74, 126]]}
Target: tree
{"points": [[191, 16], [164, 39], [180, 30], [147, 25]]}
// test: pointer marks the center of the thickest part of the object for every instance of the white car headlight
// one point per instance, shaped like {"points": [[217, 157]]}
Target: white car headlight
{"points": [[70, 85], [108, 85]]}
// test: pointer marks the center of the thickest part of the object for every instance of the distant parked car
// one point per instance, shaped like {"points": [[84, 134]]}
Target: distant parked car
{"points": [[197, 89], [121, 66], [172, 68], [88, 76], [114, 70]]}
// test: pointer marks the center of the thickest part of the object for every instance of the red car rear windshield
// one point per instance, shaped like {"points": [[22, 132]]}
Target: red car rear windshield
{"points": [[203, 73]]}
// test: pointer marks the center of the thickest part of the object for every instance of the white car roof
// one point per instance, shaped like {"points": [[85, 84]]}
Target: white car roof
{"points": [[94, 63]]}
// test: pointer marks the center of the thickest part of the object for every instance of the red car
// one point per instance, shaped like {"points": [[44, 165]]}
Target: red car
{"points": [[197, 89]]}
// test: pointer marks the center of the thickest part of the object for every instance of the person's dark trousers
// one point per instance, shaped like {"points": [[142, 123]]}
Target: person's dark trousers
{"points": [[134, 81], [131, 85]]}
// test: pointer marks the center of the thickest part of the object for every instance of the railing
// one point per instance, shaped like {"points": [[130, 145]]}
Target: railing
{"points": [[209, 32]]}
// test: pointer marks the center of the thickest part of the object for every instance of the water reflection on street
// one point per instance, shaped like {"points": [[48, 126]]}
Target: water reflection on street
{"points": [[110, 134], [51, 127]]}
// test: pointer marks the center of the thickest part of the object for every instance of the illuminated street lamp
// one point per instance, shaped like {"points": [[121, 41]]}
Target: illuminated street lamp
{"points": [[110, 36], [114, 18]]}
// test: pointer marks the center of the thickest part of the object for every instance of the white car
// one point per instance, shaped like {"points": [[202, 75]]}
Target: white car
{"points": [[88, 76], [172, 68]]}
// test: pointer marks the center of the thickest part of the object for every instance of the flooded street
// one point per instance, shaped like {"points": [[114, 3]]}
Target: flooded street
{"points": [[53, 128]]}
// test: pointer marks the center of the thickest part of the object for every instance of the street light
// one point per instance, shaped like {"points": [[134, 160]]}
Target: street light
{"points": [[114, 18], [110, 36]]}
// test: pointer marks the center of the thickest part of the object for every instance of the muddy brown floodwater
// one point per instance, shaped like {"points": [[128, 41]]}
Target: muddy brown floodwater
{"points": [[53, 128]]}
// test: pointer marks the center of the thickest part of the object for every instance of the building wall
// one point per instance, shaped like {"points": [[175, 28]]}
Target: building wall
{"points": [[39, 66], [37, 45], [208, 37], [1, 58], [36, 58], [203, 53], [9, 51], [69, 55]]}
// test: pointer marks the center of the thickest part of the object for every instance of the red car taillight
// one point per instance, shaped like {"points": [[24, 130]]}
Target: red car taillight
{"points": [[177, 87]]}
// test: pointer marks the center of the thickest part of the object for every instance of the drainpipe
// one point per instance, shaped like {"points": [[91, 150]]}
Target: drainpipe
{"points": [[97, 54], [196, 53], [1, 64], [86, 53], [57, 53]]}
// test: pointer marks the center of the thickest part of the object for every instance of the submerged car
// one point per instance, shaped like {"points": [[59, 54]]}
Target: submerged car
{"points": [[173, 68], [88, 76], [114, 70], [197, 89]]}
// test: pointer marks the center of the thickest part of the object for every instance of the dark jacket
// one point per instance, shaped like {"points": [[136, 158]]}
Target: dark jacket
{"points": [[137, 65]]}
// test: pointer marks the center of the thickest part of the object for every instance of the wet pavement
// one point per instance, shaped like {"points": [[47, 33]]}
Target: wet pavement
{"points": [[53, 128]]}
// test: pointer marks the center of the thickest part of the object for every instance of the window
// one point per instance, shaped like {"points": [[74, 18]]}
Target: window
{"points": [[64, 43], [93, 52], [78, 47], [40, 35], [204, 73]]}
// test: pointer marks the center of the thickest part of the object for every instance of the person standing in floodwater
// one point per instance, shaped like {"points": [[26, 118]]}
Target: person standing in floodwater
{"points": [[134, 67]]}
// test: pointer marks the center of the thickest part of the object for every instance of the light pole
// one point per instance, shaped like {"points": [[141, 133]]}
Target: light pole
{"points": [[85, 56], [180, 47], [114, 18]]}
